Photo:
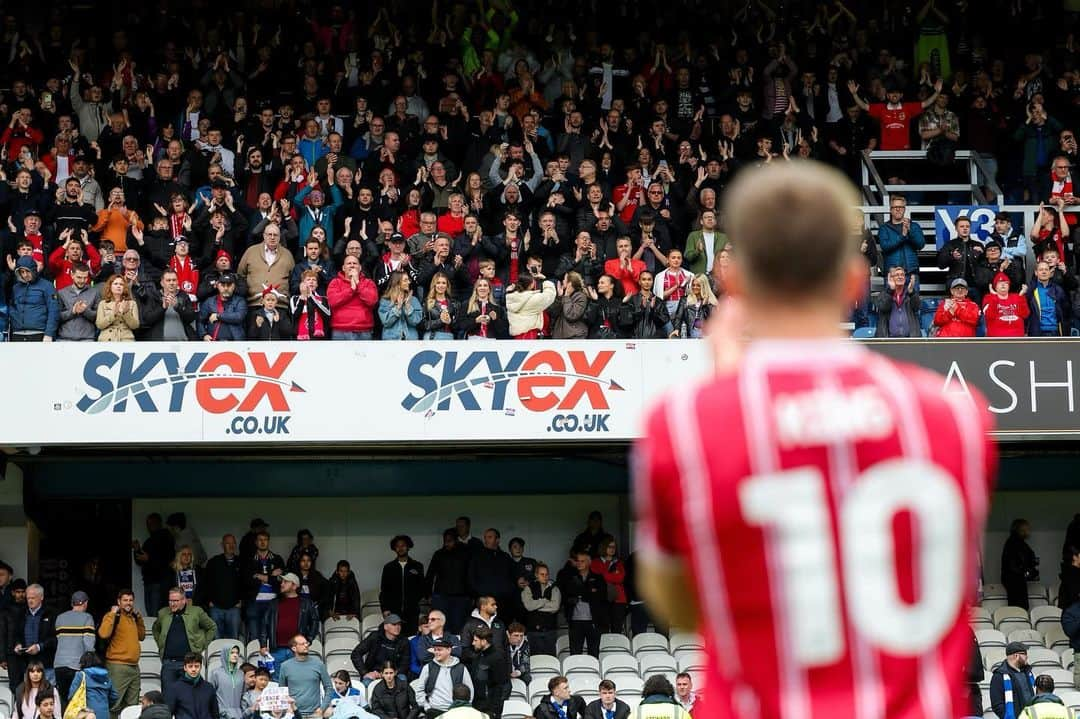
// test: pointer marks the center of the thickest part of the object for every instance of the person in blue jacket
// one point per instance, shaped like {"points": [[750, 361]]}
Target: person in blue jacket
{"points": [[1049, 305], [100, 692], [900, 239], [222, 317], [34, 315]]}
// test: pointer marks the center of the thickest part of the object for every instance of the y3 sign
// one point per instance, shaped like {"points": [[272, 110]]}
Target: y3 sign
{"points": [[981, 216]]}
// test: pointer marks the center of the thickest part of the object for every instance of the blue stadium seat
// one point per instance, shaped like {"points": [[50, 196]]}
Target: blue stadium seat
{"points": [[926, 314], [863, 333]]}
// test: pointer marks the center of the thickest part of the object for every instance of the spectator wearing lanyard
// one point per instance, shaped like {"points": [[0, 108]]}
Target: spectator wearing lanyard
{"points": [[185, 575]]}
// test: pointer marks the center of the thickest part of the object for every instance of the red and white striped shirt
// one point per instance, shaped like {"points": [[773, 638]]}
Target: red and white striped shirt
{"points": [[827, 504]]}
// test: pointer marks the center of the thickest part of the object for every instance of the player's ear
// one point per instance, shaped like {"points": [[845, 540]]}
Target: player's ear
{"points": [[853, 279]]}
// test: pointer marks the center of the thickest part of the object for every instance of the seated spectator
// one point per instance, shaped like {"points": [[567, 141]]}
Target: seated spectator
{"points": [[222, 318], [1050, 312], [352, 298], [400, 312], [153, 706], [268, 322], [33, 685], [173, 318], [385, 644], [1006, 312], [117, 314], [520, 652], [542, 601], [684, 691], [559, 702], [526, 302], [432, 631], [342, 593], [192, 697], [440, 678], [607, 706], [898, 308], [78, 307], [392, 698], [462, 707], [310, 310], [957, 316]]}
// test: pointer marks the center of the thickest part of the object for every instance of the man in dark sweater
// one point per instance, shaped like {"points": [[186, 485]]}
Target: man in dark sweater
{"points": [[385, 644], [223, 589], [490, 672], [582, 594], [492, 572], [192, 697], [153, 557], [447, 581], [402, 585]]}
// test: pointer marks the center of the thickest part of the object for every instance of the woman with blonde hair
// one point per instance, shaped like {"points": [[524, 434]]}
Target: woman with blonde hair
{"points": [[695, 308], [184, 574], [483, 318], [399, 311], [117, 314], [440, 310]]}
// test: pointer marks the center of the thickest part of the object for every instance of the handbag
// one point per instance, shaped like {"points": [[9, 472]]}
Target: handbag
{"points": [[77, 702]]}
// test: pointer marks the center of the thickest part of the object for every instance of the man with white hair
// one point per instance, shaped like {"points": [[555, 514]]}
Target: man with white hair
{"points": [[33, 633]]}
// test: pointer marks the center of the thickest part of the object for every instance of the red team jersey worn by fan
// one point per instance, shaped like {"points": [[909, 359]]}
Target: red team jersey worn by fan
{"points": [[826, 503], [895, 123]]}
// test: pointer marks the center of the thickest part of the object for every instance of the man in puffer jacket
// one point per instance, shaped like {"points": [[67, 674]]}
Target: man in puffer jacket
{"points": [[35, 309], [957, 316], [525, 305], [78, 307]]}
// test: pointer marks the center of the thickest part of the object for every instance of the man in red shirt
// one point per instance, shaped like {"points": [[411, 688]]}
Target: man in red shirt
{"points": [[628, 197], [895, 116], [624, 267], [812, 508]]}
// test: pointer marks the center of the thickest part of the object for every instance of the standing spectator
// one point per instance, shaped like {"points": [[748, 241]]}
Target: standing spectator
{"points": [[35, 309], [222, 316], [1006, 312], [33, 685], [400, 312], [180, 629], [32, 630], [185, 575], [704, 246], [342, 593], [385, 644], [93, 680], [117, 313], [310, 311], [520, 652], [440, 678], [612, 570], [291, 614], [75, 636], [171, 314], [607, 706], [526, 302], [1019, 565], [352, 297], [223, 589], [658, 700], [542, 601], [228, 681], [492, 573], [448, 580], [957, 316], [312, 582], [184, 535], [267, 264], [441, 311], [900, 239], [122, 630], [894, 116], [569, 309], [402, 585], [305, 676], [490, 672], [78, 307], [1012, 685], [559, 702], [583, 594], [191, 696], [625, 268], [1037, 137], [1013, 242], [485, 615], [1049, 308], [589, 541], [898, 308], [391, 698]]}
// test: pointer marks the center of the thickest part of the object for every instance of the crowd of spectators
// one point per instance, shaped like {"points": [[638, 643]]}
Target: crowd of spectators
{"points": [[485, 169], [469, 620]]}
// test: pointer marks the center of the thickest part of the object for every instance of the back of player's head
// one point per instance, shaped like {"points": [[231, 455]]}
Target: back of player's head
{"points": [[796, 228]]}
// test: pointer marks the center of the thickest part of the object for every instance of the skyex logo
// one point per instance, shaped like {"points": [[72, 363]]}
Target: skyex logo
{"points": [[543, 381], [221, 382]]}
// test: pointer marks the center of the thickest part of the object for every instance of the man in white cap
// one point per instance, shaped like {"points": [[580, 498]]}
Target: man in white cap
{"points": [[291, 614], [74, 637]]}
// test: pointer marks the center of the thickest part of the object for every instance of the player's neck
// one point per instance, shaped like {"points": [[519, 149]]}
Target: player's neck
{"points": [[769, 321]]}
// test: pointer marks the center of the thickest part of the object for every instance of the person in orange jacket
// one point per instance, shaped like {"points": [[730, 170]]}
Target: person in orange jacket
{"points": [[957, 315]]}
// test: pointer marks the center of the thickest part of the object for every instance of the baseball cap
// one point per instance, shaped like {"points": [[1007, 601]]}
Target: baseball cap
{"points": [[1000, 277], [179, 239], [219, 184], [397, 237], [992, 243], [79, 597], [32, 211], [391, 619], [1016, 648], [290, 577], [443, 642], [958, 282], [258, 521], [229, 278]]}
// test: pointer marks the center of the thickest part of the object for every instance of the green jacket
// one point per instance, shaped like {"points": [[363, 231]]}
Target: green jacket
{"points": [[1028, 134], [200, 628], [695, 260], [1047, 706]]}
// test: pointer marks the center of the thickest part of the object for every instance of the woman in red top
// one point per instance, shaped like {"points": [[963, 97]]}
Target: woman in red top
{"points": [[611, 568], [957, 316], [409, 223], [1006, 312]]}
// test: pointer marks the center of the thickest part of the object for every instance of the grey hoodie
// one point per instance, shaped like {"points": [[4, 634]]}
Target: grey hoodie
{"points": [[229, 683], [78, 327]]}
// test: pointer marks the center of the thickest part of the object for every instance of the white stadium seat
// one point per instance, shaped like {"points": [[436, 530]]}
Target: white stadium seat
{"points": [[1043, 657], [617, 664], [994, 591], [649, 642], [131, 712], [685, 640], [1067, 659], [614, 643], [692, 662], [1045, 615], [545, 663], [519, 689], [339, 643], [1054, 637], [516, 708], [628, 687], [1063, 678], [580, 664], [992, 656], [1031, 637], [1070, 697], [341, 625], [650, 664], [1008, 619], [990, 638]]}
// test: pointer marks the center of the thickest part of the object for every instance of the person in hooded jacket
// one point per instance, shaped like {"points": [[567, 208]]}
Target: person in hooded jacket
{"points": [[100, 693], [342, 593], [34, 314], [1046, 704], [439, 678], [228, 680]]}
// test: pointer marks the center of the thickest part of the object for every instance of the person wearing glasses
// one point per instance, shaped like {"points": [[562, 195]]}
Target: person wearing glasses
{"points": [[306, 677]]}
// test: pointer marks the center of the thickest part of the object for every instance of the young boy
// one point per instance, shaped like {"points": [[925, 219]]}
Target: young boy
{"points": [[191, 695], [498, 289], [259, 679]]}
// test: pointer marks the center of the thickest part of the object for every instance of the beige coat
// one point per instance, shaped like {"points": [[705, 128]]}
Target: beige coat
{"points": [[115, 327], [258, 274]]}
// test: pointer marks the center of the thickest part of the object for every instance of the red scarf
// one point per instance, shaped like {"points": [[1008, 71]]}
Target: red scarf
{"points": [[176, 224], [483, 326], [220, 309], [317, 330], [1060, 188], [186, 273], [674, 279], [515, 245]]}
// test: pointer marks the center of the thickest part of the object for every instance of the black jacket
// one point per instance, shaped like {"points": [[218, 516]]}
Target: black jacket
{"points": [[611, 314], [448, 571], [342, 595], [575, 708], [153, 317], [648, 322], [401, 589], [1022, 689], [159, 553], [490, 673], [575, 588], [970, 253], [396, 703], [1018, 562], [498, 632], [222, 587], [595, 710], [192, 701], [46, 633], [492, 573], [252, 566], [377, 648], [308, 624]]}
